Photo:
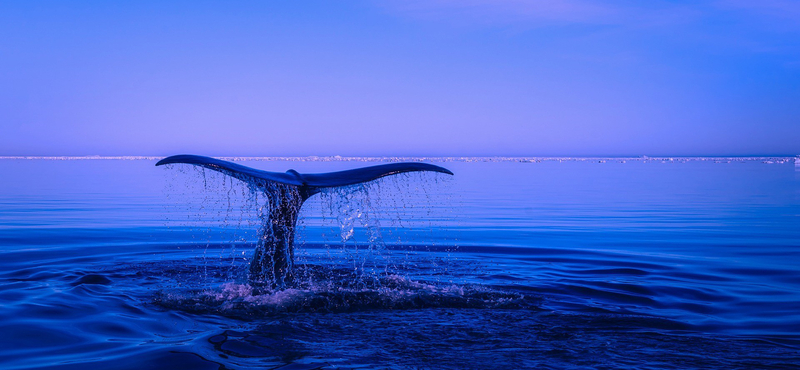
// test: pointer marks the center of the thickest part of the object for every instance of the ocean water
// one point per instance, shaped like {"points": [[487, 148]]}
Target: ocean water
{"points": [[552, 264]]}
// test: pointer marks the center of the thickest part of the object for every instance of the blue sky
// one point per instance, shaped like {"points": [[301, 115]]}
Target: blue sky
{"points": [[436, 77]]}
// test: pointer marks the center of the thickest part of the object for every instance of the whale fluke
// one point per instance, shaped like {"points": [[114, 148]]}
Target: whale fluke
{"points": [[273, 259], [311, 180]]}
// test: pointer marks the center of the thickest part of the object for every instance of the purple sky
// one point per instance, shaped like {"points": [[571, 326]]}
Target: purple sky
{"points": [[400, 77]]}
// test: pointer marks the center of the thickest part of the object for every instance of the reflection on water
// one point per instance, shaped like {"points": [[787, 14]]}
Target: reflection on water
{"points": [[118, 264]]}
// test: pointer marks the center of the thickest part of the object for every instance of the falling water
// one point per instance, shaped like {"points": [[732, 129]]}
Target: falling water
{"points": [[348, 221], [347, 263]]}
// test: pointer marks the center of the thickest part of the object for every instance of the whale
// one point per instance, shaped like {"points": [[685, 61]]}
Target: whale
{"points": [[273, 260]]}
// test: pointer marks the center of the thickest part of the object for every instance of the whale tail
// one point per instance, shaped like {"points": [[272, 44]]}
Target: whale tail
{"points": [[273, 260]]}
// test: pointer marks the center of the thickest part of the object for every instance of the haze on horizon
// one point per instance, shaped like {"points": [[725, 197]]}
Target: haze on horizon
{"points": [[400, 78]]}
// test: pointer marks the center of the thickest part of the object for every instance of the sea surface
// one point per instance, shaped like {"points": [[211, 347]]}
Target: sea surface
{"points": [[639, 263]]}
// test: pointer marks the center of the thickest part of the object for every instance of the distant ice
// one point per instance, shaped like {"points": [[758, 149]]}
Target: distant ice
{"points": [[643, 159]]}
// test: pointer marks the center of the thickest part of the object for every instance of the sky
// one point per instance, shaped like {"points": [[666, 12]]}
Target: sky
{"points": [[400, 78]]}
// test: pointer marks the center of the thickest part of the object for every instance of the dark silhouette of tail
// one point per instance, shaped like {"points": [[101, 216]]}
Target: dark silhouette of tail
{"points": [[274, 255]]}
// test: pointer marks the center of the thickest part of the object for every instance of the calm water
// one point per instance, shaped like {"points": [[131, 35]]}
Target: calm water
{"points": [[120, 264]]}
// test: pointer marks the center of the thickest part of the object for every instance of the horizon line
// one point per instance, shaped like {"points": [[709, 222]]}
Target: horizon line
{"points": [[338, 158]]}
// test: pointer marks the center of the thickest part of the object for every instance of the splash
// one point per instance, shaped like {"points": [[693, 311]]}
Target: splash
{"points": [[355, 271], [272, 264], [392, 292]]}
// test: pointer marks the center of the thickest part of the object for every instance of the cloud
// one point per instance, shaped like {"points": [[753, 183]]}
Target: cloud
{"points": [[651, 13], [787, 9], [540, 13], [494, 12]]}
